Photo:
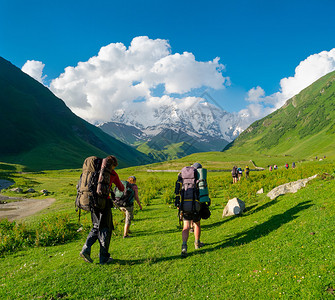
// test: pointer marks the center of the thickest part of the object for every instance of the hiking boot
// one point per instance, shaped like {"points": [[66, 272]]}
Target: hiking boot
{"points": [[109, 261], [126, 236], [86, 257], [198, 245], [183, 250]]}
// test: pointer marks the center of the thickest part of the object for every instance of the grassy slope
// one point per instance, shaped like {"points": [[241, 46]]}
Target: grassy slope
{"points": [[270, 252], [303, 128], [170, 151], [39, 131]]}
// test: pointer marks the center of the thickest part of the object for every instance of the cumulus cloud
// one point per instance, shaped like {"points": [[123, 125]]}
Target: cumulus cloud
{"points": [[308, 71], [121, 78], [34, 69], [256, 94]]}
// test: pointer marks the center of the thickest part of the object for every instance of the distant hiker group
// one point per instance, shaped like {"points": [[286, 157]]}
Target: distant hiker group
{"points": [[237, 172]]}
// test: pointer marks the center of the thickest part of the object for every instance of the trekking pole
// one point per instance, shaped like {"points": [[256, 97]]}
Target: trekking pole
{"points": [[179, 218]]}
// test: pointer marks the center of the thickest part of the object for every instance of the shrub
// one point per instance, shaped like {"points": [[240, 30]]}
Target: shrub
{"points": [[168, 196], [49, 232]]}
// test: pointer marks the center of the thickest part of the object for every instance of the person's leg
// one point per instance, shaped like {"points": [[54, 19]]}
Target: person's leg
{"points": [[91, 238], [197, 231], [104, 240], [105, 232], [129, 216], [126, 230], [186, 230], [185, 234]]}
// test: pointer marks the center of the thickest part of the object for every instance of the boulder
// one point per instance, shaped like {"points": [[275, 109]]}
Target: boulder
{"points": [[234, 206], [291, 187], [17, 190], [31, 190], [261, 191], [44, 192]]}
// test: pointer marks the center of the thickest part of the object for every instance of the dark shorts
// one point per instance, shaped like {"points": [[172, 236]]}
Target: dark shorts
{"points": [[195, 217], [191, 215]]}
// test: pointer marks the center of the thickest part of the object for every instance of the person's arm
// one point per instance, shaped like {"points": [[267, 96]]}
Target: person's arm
{"points": [[116, 180], [135, 188]]}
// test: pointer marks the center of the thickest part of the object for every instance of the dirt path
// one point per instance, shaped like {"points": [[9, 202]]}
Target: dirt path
{"points": [[22, 208]]}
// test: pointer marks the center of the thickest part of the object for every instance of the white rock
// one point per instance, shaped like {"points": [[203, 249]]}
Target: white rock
{"points": [[261, 191], [291, 187], [17, 190], [234, 206]]}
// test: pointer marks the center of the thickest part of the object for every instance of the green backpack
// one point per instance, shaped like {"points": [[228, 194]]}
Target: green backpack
{"points": [[125, 198]]}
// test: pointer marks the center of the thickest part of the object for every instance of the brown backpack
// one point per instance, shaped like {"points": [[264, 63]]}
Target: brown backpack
{"points": [[93, 185]]}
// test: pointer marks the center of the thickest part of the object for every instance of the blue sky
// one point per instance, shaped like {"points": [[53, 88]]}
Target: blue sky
{"points": [[258, 42]]}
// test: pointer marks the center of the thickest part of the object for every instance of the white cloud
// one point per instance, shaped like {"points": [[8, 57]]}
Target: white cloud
{"points": [[34, 69], [117, 76], [308, 71], [256, 94]]}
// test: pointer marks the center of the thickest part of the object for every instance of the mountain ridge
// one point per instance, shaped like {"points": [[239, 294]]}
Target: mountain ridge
{"points": [[41, 132], [304, 126]]}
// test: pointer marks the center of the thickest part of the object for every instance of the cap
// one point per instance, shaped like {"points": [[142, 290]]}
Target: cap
{"points": [[197, 166]]}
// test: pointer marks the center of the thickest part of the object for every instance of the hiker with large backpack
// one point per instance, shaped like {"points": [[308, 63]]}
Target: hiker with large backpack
{"points": [[234, 174], [93, 195], [125, 202], [239, 173], [192, 201], [247, 171]]}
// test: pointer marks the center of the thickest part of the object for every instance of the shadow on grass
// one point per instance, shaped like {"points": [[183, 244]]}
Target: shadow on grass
{"points": [[244, 237], [250, 211], [261, 230]]}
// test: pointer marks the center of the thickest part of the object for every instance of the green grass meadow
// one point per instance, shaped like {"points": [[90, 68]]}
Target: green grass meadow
{"points": [[278, 249]]}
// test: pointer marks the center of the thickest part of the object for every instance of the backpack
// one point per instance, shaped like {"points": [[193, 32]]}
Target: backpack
{"points": [[186, 185], [234, 171], [202, 185], [125, 198], [93, 185]]}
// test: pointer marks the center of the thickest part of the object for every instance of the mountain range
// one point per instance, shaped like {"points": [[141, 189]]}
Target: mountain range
{"points": [[39, 131], [172, 131]]}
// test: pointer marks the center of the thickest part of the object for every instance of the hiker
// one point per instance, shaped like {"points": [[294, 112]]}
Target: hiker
{"points": [[270, 168], [128, 210], [191, 188], [247, 170], [102, 221], [293, 165], [275, 167], [286, 166], [239, 173], [234, 174]]}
